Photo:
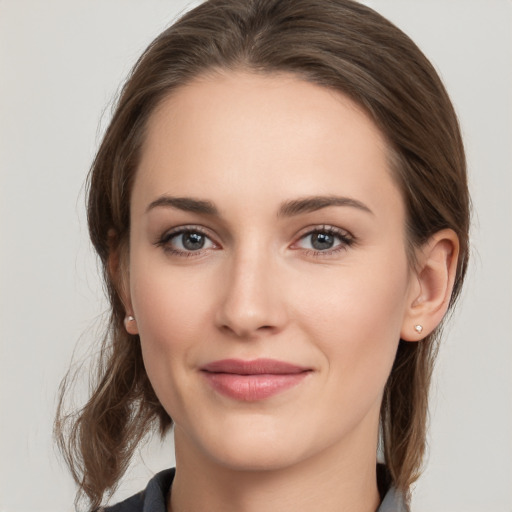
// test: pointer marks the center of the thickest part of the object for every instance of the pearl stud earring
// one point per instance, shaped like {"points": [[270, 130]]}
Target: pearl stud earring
{"points": [[127, 320], [418, 328]]}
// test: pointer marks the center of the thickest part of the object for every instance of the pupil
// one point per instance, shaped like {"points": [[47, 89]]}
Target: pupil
{"points": [[193, 241], [322, 241]]}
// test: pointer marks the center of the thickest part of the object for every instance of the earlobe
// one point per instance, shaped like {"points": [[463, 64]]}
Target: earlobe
{"points": [[130, 325], [434, 279], [118, 272]]}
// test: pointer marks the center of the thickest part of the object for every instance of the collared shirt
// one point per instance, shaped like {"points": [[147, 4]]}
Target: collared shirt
{"points": [[153, 498]]}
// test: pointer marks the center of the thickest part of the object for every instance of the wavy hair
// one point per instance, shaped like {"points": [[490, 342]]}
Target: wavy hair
{"points": [[338, 44]]}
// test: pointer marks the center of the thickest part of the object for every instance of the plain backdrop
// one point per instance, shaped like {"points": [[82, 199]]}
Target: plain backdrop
{"points": [[61, 63]]}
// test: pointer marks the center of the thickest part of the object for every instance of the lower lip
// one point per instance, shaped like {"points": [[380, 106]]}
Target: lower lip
{"points": [[253, 387]]}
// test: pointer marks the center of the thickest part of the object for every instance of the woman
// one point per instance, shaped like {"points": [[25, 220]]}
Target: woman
{"points": [[281, 209]]}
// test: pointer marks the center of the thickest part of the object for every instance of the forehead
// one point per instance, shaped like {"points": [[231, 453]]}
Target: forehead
{"points": [[265, 136]]}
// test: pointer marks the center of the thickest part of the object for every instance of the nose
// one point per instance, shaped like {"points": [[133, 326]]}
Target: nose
{"points": [[251, 300]]}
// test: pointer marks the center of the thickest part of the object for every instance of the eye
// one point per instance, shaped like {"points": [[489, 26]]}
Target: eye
{"points": [[326, 240], [186, 241]]}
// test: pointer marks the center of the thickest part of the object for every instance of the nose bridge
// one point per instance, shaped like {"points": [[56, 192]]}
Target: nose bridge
{"points": [[250, 301]]}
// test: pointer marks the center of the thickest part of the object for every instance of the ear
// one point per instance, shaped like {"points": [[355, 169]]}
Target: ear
{"points": [[431, 285], [117, 265]]}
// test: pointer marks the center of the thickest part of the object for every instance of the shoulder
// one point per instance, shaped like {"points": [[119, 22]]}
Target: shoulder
{"points": [[152, 499]]}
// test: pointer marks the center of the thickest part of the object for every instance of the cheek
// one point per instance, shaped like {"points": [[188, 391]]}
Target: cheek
{"points": [[355, 318], [171, 311], [169, 306]]}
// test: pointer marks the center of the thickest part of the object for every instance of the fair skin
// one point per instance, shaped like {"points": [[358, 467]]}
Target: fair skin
{"points": [[262, 271]]}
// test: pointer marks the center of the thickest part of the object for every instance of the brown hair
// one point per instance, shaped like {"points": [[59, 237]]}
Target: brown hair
{"points": [[339, 44]]}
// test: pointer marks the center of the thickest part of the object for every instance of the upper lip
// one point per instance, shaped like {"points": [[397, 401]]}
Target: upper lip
{"points": [[253, 367]]}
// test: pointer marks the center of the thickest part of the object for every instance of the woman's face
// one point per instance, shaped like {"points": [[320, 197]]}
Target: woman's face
{"points": [[267, 274]]}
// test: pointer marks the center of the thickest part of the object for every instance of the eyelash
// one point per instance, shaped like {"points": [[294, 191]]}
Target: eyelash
{"points": [[169, 235], [346, 239]]}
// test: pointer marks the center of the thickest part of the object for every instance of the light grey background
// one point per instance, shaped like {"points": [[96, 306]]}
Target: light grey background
{"points": [[61, 62]]}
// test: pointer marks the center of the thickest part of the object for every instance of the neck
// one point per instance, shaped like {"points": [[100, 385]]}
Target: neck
{"points": [[339, 480]]}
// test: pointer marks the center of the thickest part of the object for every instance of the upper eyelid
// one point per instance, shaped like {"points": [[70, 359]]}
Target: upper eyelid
{"points": [[324, 227], [303, 231], [346, 238], [163, 241], [169, 234], [186, 229]]}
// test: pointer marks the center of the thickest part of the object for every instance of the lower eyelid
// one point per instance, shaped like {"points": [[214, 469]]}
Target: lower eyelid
{"points": [[344, 241]]}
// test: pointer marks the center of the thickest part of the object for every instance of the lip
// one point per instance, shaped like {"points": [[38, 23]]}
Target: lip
{"points": [[253, 380]]}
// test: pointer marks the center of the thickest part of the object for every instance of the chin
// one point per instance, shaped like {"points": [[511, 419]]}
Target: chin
{"points": [[246, 443], [257, 456]]}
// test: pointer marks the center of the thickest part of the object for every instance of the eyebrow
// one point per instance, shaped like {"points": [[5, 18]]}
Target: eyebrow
{"points": [[187, 204], [311, 204], [287, 209]]}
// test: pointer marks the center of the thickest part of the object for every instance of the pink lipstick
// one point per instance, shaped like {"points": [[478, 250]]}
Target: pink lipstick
{"points": [[252, 380]]}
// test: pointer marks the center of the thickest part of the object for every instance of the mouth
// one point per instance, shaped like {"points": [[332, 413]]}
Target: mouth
{"points": [[253, 380]]}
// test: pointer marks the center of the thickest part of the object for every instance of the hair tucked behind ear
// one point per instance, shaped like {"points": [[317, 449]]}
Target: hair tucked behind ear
{"points": [[339, 44]]}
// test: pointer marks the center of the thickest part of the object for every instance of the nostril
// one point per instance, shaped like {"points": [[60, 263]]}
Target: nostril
{"points": [[249, 307], [242, 332]]}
